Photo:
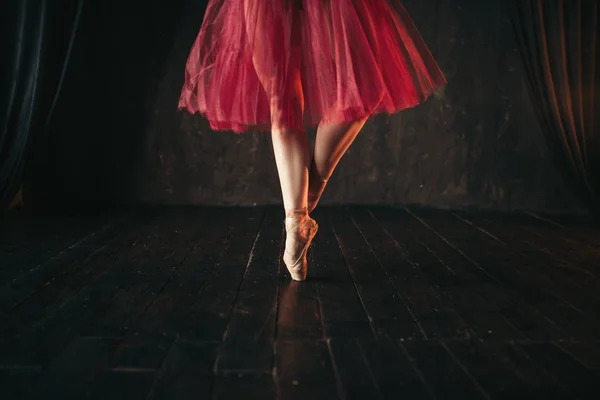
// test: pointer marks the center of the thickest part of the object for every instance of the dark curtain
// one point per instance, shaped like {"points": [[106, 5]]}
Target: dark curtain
{"points": [[37, 37], [559, 43]]}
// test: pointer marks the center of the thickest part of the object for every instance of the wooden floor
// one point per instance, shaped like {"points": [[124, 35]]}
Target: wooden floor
{"points": [[194, 303]]}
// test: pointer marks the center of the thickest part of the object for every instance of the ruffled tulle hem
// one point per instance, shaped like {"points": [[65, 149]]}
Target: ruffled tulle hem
{"points": [[330, 61], [244, 127]]}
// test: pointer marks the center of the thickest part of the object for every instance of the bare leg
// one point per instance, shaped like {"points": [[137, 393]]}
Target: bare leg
{"points": [[276, 60], [277, 64], [292, 156], [331, 144]]}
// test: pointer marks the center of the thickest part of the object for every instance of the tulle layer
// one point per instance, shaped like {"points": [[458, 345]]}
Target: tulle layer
{"points": [[308, 60]]}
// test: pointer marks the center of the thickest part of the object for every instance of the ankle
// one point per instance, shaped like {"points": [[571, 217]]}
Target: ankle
{"points": [[296, 213], [315, 179], [317, 185]]}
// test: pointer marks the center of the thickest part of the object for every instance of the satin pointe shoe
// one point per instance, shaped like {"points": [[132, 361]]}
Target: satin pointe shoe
{"points": [[300, 231]]}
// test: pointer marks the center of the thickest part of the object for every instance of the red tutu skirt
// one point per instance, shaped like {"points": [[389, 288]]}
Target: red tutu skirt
{"points": [[309, 60]]}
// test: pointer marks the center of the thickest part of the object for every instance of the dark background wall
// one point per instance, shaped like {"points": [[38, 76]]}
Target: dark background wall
{"points": [[117, 135]]}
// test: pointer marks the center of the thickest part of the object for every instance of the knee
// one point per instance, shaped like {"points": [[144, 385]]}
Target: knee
{"points": [[286, 123], [283, 133]]}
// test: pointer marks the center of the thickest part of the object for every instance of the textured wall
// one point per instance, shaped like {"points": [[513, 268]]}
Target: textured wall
{"points": [[476, 143]]}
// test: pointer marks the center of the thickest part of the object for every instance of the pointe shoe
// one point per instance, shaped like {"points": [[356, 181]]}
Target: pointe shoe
{"points": [[300, 230]]}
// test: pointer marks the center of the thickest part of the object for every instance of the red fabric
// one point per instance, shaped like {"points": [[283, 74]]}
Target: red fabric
{"points": [[350, 58]]}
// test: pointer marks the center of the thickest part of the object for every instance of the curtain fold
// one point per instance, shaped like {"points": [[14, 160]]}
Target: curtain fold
{"points": [[37, 38], [558, 42]]}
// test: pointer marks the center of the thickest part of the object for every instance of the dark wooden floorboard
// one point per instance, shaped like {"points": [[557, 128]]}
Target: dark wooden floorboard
{"points": [[483, 303], [58, 279], [187, 372], [237, 386], [342, 308], [581, 222], [135, 289], [540, 385], [395, 374], [303, 369], [15, 383], [431, 307], [442, 373], [385, 307], [299, 314], [210, 313], [497, 378], [578, 228], [356, 379], [250, 333], [559, 257], [400, 303], [33, 324], [120, 296], [125, 385], [23, 228], [168, 314], [586, 354], [572, 377], [68, 375], [515, 274], [140, 353], [35, 259]]}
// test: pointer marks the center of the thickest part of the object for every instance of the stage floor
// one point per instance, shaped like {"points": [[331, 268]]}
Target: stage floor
{"points": [[178, 303]]}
